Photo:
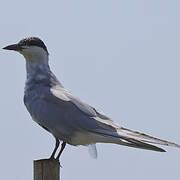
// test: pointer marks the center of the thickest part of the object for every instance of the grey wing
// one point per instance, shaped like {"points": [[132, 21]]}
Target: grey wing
{"points": [[98, 123], [92, 118]]}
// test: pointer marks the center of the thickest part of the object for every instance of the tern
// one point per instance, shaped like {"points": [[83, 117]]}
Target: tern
{"points": [[65, 116]]}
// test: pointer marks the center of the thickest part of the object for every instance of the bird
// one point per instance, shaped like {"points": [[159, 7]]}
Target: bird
{"points": [[69, 119]]}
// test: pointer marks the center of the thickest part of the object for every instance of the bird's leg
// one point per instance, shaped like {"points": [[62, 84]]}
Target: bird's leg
{"points": [[55, 149], [63, 145]]}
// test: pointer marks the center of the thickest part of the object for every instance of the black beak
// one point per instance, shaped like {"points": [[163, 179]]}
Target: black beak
{"points": [[15, 47]]}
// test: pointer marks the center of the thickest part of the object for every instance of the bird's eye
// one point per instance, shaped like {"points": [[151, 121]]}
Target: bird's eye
{"points": [[23, 47]]}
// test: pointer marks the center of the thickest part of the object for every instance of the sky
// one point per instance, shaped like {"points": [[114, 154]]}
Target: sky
{"points": [[121, 57]]}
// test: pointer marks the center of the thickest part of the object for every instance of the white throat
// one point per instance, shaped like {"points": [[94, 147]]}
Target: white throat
{"points": [[37, 62]]}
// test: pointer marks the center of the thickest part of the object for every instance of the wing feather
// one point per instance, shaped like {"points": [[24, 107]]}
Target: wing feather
{"points": [[106, 127]]}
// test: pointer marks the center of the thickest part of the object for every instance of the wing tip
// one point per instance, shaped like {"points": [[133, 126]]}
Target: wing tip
{"points": [[161, 150]]}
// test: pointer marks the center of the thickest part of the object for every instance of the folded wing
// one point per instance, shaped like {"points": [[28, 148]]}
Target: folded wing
{"points": [[109, 130]]}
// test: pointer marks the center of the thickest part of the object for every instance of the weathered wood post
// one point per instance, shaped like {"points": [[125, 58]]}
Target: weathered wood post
{"points": [[46, 169]]}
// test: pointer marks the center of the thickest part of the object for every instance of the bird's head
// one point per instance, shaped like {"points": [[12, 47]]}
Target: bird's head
{"points": [[31, 48]]}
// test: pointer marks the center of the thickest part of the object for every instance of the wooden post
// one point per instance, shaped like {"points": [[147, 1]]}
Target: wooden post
{"points": [[46, 169]]}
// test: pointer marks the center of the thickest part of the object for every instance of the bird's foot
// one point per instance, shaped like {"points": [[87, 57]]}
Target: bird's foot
{"points": [[55, 159]]}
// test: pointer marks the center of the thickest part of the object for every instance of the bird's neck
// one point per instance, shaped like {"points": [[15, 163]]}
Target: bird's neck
{"points": [[39, 73], [37, 66]]}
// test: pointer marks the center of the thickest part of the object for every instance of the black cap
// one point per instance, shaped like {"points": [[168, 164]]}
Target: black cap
{"points": [[33, 41]]}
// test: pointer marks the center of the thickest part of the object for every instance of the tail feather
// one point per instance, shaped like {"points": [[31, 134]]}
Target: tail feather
{"points": [[144, 137], [140, 145], [134, 139], [127, 141]]}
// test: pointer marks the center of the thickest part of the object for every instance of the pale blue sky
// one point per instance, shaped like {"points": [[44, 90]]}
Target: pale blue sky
{"points": [[120, 56]]}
